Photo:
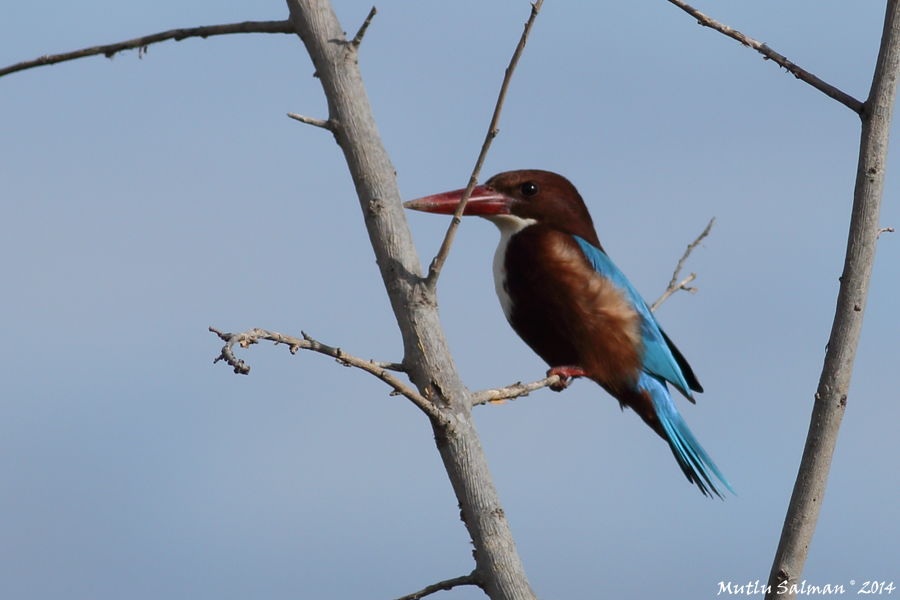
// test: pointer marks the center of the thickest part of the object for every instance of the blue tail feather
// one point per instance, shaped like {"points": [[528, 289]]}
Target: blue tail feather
{"points": [[692, 458]]}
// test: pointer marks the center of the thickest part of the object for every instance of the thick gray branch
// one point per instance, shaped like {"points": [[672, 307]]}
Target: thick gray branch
{"points": [[834, 383], [427, 357]]}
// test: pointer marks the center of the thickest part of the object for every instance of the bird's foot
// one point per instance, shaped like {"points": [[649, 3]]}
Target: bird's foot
{"points": [[564, 374]]}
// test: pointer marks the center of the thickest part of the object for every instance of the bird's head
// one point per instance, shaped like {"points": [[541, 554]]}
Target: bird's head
{"points": [[540, 196]]}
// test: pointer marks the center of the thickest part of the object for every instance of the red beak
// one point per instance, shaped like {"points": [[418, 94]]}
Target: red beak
{"points": [[483, 201]]}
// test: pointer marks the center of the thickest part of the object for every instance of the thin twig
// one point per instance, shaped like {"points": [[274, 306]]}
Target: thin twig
{"points": [[674, 284], [329, 124], [885, 230], [801, 74], [380, 370], [437, 264], [516, 390], [449, 584], [142, 42], [357, 39]]}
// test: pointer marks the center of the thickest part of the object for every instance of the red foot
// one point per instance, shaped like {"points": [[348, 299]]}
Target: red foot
{"points": [[564, 374]]}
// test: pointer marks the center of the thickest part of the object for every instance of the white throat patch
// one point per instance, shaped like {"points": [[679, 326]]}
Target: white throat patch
{"points": [[509, 225]]}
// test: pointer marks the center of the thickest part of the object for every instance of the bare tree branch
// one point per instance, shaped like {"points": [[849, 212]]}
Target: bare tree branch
{"points": [[801, 74], [329, 125], [434, 271], [885, 230], [449, 584], [142, 42], [674, 285], [380, 370], [682, 285], [834, 383], [516, 390], [357, 39]]}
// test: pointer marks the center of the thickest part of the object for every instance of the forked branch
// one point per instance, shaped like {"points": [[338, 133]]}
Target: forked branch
{"points": [[674, 284]]}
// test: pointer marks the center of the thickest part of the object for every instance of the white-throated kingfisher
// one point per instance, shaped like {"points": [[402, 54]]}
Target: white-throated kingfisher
{"points": [[567, 300]]}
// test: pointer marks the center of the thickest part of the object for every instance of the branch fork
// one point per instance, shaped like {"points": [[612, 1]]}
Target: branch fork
{"points": [[674, 284]]}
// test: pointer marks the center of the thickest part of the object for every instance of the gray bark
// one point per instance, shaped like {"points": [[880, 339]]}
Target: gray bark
{"points": [[834, 383], [427, 359]]}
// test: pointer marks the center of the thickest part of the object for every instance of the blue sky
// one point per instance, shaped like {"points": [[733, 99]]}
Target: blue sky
{"points": [[145, 200]]}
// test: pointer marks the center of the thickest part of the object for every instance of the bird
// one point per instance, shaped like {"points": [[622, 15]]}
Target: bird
{"points": [[567, 300]]}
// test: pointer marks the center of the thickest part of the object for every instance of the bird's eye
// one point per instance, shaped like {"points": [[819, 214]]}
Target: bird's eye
{"points": [[529, 189]]}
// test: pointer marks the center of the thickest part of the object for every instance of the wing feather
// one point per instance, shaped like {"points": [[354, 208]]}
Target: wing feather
{"points": [[661, 358]]}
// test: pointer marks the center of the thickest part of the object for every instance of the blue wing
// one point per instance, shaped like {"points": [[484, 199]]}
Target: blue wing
{"points": [[660, 365], [658, 358]]}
